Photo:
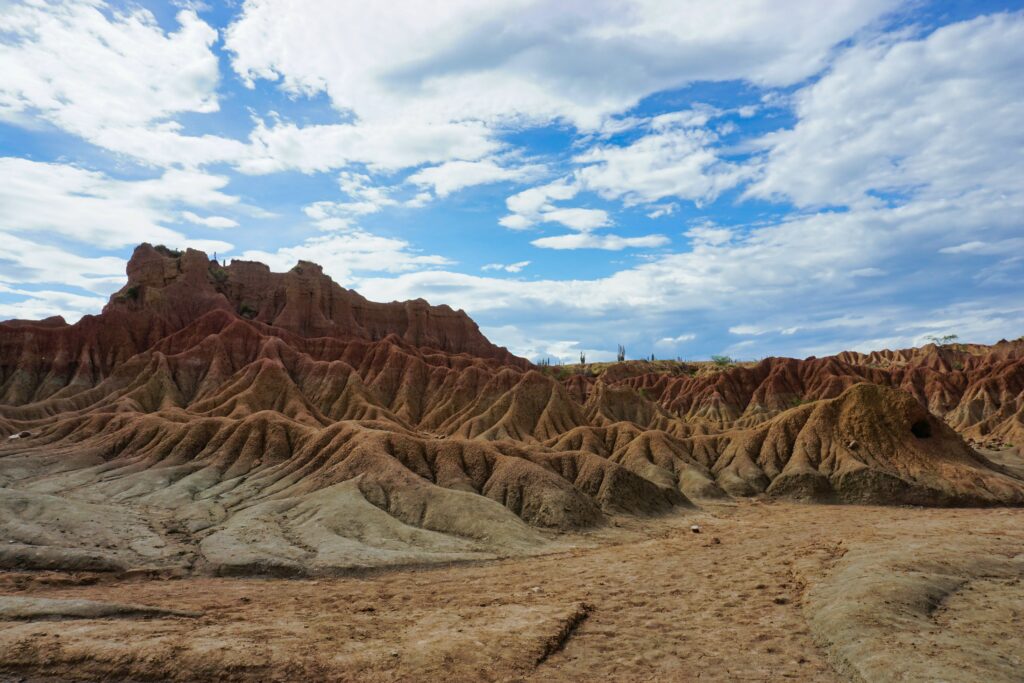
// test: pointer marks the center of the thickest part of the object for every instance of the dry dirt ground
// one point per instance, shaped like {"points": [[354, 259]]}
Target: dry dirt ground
{"points": [[766, 591]]}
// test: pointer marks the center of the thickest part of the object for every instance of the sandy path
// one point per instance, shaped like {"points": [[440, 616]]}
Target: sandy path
{"points": [[652, 602]]}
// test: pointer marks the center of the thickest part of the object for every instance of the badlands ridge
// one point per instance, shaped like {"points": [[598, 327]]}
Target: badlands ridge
{"points": [[230, 420]]}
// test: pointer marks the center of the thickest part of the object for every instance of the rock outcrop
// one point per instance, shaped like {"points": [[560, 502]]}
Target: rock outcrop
{"points": [[230, 419]]}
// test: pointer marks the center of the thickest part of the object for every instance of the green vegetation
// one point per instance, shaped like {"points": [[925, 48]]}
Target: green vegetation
{"points": [[722, 361], [129, 294], [621, 355], [220, 275], [247, 311], [944, 340], [167, 251]]}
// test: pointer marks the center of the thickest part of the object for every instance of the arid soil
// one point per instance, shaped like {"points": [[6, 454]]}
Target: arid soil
{"points": [[766, 591]]}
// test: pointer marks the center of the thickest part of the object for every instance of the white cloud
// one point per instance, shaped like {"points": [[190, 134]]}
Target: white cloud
{"points": [[530, 203], [748, 330], [977, 320], [39, 304], [344, 255], [677, 160], [27, 261], [366, 198], [536, 205], [608, 242], [675, 341], [94, 209], [978, 247], [112, 77], [382, 146], [508, 268], [773, 267], [515, 221], [538, 349], [930, 118], [452, 176], [577, 219], [216, 222], [709, 233], [660, 210], [522, 60]]}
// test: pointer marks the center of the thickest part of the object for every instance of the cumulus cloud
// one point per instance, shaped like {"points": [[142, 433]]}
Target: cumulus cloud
{"points": [[365, 197], [114, 78], [508, 268], [453, 176], [709, 233], [36, 304], [981, 248], [677, 160], [94, 209], [382, 146], [216, 222], [932, 117], [608, 242], [516, 60], [659, 210], [898, 164], [531, 203], [537, 349], [28, 261], [676, 340], [577, 219], [345, 255]]}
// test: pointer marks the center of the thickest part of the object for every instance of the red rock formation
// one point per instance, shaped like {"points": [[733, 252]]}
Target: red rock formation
{"points": [[238, 399]]}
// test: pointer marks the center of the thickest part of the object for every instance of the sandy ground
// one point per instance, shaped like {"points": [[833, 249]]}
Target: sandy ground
{"points": [[766, 591]]}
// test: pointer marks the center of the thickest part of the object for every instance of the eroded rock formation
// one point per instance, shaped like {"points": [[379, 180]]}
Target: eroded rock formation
{"points": [[230, 419]]}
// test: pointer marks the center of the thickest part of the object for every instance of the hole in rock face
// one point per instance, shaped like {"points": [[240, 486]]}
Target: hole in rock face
{"points": [[921, 429]]}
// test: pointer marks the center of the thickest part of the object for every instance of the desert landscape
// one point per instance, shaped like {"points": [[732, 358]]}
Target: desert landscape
{"points": [[237, 474]]}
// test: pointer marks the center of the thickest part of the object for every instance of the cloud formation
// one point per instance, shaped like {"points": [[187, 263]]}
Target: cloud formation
{"points": [[656, 165]]}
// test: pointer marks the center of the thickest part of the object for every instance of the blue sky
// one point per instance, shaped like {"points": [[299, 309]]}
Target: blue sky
{"points": [[684, 178]]}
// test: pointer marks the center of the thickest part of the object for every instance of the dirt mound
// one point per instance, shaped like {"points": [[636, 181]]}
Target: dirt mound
{"points": [[229, 419], [949, 609], [16, 608], [871, 444]]}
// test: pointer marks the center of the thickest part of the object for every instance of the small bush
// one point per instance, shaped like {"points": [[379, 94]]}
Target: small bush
{"points": [[722, 361], [247, 311], [220, 275], [130, 294], [944, 340], [167, 251]]}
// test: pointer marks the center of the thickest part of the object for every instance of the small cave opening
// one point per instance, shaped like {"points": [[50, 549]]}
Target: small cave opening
{"points": [[921, 429]]}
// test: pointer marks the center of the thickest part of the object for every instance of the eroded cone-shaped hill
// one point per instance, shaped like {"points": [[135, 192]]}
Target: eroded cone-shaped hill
{"points": [[230, 419]]}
